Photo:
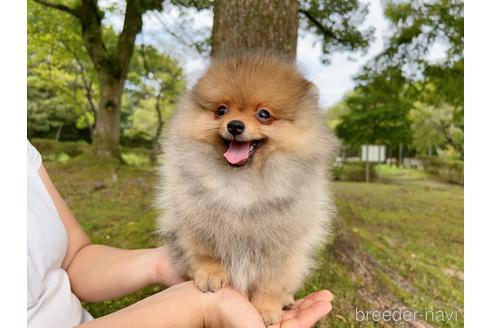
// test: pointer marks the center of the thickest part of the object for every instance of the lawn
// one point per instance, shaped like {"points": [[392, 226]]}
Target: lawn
{"points": [[396, 243]]}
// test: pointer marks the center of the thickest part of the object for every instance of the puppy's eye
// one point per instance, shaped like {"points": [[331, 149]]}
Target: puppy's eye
{"points": [[221, 111], [263, 115]]}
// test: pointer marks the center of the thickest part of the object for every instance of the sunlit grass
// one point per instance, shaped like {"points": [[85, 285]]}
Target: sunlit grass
{"points": [[413, 230]]}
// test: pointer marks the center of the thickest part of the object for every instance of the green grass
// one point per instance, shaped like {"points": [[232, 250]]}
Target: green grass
{"points": [[405, 174], [409, 225], [415, 233]]}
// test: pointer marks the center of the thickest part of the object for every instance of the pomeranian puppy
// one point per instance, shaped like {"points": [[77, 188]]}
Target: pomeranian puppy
{"points": [[244, 190]]}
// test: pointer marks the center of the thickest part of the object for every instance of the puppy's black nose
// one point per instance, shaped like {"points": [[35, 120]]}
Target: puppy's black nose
{"points": [[235, 127]]}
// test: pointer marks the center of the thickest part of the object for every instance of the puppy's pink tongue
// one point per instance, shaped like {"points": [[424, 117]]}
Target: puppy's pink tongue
{"points": [[238, 152]]}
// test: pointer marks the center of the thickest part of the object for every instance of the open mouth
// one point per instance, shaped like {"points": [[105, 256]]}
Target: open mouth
{"points": [[239, 152]]}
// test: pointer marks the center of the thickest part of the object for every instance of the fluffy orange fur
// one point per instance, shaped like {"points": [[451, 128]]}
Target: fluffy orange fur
{"points": [[255, 226]]}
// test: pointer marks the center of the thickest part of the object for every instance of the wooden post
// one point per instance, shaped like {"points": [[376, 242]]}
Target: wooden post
{"points": [[367, 163], [400, 155]]}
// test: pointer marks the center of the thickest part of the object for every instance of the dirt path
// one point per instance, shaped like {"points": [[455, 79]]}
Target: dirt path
{"points": [[415, 177], [364, 271]]}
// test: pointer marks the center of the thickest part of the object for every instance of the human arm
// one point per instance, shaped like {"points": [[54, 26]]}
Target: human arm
{"points": [[235, 311], [99, 272], [183, 305]]}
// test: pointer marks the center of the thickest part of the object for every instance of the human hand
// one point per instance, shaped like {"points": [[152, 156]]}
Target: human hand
{"points": [[232, 309], [307, 311], [229, 308], [164, 271]]}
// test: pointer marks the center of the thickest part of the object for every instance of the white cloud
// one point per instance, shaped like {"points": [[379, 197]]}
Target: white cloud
{"points": [[335, 79]]}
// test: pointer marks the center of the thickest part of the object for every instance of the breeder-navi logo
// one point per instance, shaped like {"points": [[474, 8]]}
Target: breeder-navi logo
{"points": [[401, 315]]}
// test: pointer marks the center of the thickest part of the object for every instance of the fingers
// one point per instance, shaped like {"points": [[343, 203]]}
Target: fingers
{"points": [[316, 311], [320, 295], [308, 310]]}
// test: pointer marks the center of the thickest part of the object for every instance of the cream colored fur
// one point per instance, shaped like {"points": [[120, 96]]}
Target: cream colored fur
{"points": [[264, 221]]}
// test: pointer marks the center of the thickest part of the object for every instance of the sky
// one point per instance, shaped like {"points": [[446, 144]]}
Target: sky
{"points": [[334, 80]]}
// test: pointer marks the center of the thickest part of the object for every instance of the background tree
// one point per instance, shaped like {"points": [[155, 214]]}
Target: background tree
{"points": [[155, 81], [414, 86], [110, 62], [101, 57], [273, 25], [63, 87], [436, 129], [377, 112], [336, 112], [255, 24], [61, 84]]}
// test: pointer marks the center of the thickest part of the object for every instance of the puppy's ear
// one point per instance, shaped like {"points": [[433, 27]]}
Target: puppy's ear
{"points": [[311, 91]]}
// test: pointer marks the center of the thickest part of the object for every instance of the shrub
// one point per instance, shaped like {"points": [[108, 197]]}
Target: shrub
{"points": [[446, 169], [135, 159], [53, 150], [353, 171]]}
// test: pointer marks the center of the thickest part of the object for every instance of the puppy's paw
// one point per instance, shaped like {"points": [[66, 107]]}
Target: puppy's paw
{"points": [[271, 317], [269, 308], [288, 303], [211, 278]]}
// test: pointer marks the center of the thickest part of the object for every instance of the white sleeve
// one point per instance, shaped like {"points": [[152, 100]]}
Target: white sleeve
{"points": [[33, 156]]}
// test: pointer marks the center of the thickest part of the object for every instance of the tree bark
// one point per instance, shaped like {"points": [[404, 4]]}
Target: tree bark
{"points": [[106, 139], [251, 25], [112, 70]]}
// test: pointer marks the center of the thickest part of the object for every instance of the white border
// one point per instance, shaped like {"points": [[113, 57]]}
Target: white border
{"points": [[478, 166], [13, 193]]}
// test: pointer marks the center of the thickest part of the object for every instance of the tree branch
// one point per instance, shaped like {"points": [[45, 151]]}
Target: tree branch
{"points": [[58, 6], [126, 40], [87, 86], [90, 19], [317, 23]]}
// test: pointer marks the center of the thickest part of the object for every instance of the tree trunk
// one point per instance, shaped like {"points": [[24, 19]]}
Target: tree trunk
{"points": [[245, 25], [111, 66], [160, 125], [106, 137], [58, 132]]}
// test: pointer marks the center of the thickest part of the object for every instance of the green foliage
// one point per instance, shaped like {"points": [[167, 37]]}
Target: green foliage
{"points": [[439, 127], [155, 81], [63, 88], [417, 25], [353, 171], [61, 84], [198, 4], [134, 159], [402, 96], [447, 169], [378, 112], [54, 148], [335, 113], [336, 23]]}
